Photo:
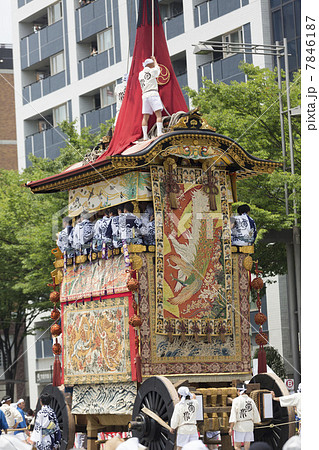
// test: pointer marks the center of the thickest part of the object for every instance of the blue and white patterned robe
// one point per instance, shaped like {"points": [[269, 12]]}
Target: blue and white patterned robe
{"points": [[129, 228], [101, 233], [46, 433], [244, 231], [82, 234]]}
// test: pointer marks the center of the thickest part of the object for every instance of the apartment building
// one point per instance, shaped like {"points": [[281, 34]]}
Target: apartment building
{"points": [[69, 55]]}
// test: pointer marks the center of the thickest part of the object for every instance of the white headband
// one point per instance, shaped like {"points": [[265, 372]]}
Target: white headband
{"points": [[183, 391], [147, 62]]}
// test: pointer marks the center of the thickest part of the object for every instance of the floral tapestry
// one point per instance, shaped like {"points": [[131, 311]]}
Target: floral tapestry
{"points": [[91, 279], [96, 341], [193, 261]]}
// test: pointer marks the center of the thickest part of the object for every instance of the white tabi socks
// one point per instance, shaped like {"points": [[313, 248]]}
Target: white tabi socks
{"points": [[159, 126], [144, 128]]}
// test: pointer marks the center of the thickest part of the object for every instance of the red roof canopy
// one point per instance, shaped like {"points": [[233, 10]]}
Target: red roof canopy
{"points": [[128, 128]]}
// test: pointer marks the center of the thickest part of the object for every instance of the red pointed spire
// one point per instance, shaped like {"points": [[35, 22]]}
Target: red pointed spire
{"points": [[128, 128]]}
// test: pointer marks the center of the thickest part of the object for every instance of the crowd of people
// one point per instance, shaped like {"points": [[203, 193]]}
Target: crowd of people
{"points": [[117, 225], [24, 430]]}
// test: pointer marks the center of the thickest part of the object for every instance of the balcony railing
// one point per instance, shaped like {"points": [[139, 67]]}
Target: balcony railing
{"points": [[225, 70], [45, 144], [42, 44], [43, 87], [174, 26], [92, 19], [93, 64], [212, 9], [95, 117]]}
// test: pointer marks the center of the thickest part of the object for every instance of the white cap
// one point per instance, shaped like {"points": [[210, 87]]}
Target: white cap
{"points": [[294, 443], [147, 62], [20, 401], [183, 391]]}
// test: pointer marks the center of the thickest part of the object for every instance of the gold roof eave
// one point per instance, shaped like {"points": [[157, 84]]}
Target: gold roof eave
{"points": [[190, 144]]}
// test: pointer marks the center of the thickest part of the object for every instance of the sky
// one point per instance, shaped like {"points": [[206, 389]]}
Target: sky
{"points": [[5, 22]]}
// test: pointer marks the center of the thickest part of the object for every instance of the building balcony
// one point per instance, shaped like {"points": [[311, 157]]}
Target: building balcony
{"points": [[41, 44], [208, 10], [182, 80], [23, 2], [93, 64], [45, 144], [174, 26], [95, 117], [91, 19], [225, 70], [43, 87]]}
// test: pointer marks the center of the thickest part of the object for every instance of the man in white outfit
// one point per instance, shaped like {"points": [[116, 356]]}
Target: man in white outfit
{"points": [[12, 414], [184, 417], [290, 400], [150, 96], [243, 415]]}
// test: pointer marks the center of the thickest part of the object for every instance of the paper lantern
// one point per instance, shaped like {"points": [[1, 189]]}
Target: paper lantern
{"points": [[55, 297], [55, 330], [57, 349]]}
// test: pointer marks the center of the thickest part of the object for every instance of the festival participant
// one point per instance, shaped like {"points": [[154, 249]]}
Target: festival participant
{"points": [[113, 228], [130, 225], [46, 434], [20, 405], [3, 422], [83, 233], [290, 400], [119, 92], [64, 235], [243, 228], [100, 231], [184, 417], [148, 225], [243, 415], [150, 96], [13, 416]]}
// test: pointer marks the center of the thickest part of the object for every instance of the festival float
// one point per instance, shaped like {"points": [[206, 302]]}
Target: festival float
{"points": [[140, 320]]}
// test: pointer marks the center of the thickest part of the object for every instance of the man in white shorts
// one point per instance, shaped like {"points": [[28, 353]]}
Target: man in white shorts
{"points": [[243, 415], [150, 96], [184, 418]]}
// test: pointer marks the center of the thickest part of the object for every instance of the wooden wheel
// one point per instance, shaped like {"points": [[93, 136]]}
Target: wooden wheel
{"points": [[63, 413], [159, 395], [277, 434]]}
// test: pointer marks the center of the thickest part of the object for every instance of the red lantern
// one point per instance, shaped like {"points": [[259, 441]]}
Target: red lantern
{"points": [[57, 349], [55, 297], [56, 330], [260, 318], [55, 315], [132, 284], [261, 339], [257, 283], [135, 321]]}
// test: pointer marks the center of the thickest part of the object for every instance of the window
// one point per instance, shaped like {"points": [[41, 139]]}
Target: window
{"points": [[235, 37], [104, 40], [54, 13], [59, 114], [57, 63], [107, 95], [43, 348]]}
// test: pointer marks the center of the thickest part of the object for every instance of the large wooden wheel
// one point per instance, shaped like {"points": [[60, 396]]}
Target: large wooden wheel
{"points": [[63, 413], [159, 395], [276, 435]]}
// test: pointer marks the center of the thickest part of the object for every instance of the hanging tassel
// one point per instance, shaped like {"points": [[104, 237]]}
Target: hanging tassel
{"points": [[57, 370], [262, 363]]}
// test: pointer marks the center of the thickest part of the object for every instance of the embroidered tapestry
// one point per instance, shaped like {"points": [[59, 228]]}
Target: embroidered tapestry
{"points": [[91, 279], [230, 355], [111, 398], [96, 341], [112, 192], [193, 260]]}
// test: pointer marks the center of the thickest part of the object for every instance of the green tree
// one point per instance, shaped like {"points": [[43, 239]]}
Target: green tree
{"points": [[26, 239], [249, 114]]}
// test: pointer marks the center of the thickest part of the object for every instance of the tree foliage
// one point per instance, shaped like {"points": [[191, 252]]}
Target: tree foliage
{"points": [[27, 235], [249, 114]]}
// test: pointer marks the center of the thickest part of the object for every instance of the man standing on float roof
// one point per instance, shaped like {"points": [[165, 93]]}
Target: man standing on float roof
{"points": [[150, 96]]}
